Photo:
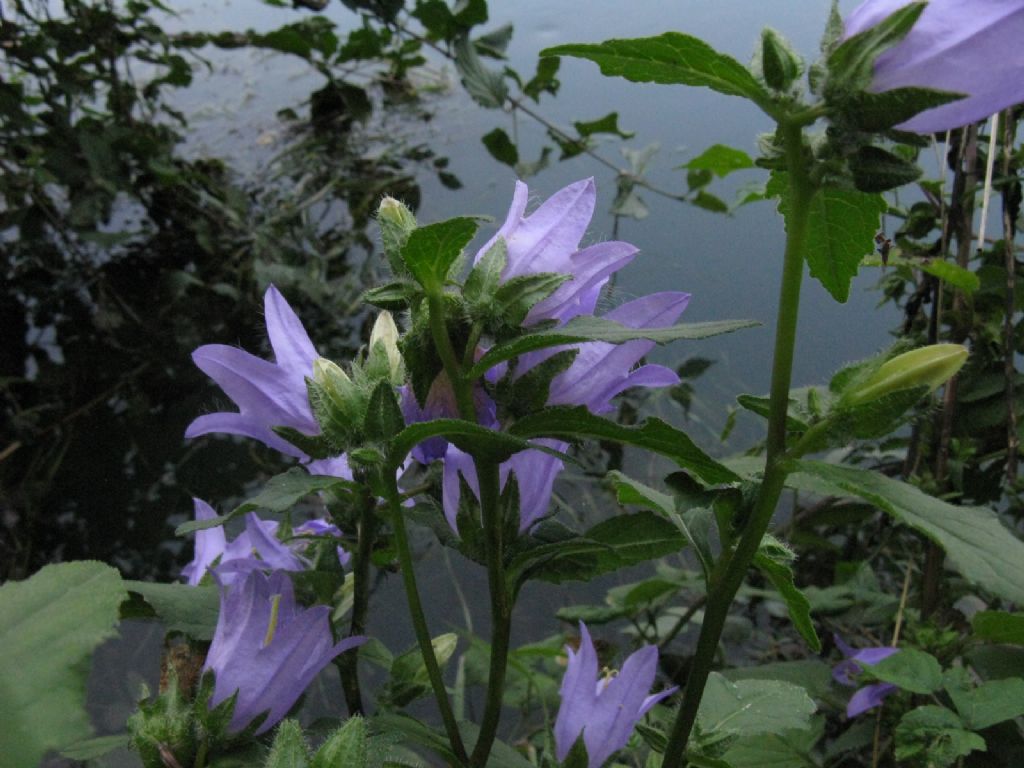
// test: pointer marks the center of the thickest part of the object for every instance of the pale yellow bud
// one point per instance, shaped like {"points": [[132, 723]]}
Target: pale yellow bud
{"points": [[385, 333], [930, 367]]}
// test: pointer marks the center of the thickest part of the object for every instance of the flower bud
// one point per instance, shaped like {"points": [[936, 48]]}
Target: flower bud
{"points": [[780, 65], [930, 367], [385, 334], [396, 224], [330, 375]]}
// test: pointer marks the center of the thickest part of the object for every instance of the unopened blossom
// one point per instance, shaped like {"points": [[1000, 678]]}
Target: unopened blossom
{"points": [[603, 708], [266, 649], [971, 48], [846, 672]]}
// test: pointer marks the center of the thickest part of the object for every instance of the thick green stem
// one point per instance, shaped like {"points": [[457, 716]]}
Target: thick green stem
{"points": [[501, 607], [724, 589], [419, 622], [439, 332], [348, 662]]}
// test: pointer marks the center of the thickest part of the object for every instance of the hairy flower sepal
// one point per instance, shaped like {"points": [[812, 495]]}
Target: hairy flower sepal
{"points": [[396, 222]]}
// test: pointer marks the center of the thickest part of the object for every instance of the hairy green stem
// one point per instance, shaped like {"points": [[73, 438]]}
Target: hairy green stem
{"points": [[348, 662], [419, 622], [724, 588], [501, 607]]}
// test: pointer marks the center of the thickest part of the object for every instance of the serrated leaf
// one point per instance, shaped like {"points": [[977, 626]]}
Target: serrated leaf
{"points": [[281, 493], [876, 170], [875, 112], [182, 608], [573, 423], [430, 251], [607, 124], [487, 87], [780, 574], [514, 298], [393, 296], [721, 160], [985, 551], [581, 329], [910, 669], [384, 415], [501, 147], [989, 703], [485, 443], [937, 733], [670, 58], [52, 622], [750, 707], [951, 273]]}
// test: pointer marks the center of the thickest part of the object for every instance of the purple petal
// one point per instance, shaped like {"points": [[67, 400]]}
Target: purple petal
{"points": [[619, 705], [535, 473], [240, 424], [456, 462], [590, 270], [293, 350], [577, 694], [951, 48], [210, 544], [335, 466], [868, 697], [272, 552], [871, 656]]}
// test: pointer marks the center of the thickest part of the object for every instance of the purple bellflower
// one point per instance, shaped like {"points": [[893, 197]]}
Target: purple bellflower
{"points": [[846, 672], [267, 649], [268, 394], [255, 548], [604, 710], [964, 47]]}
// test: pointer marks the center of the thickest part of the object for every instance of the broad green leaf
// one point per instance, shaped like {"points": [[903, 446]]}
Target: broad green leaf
{"points": [[780, 574], [630, 491], [182, 608], [877, 170], [871, 112], [95, 748], [615, 543], [581, 329], [936, 734], [987, 704], [430, 251], [670, 58], [999, 627], [813, 675], [910, 669], [789, 749], [760, 406], [607, 124], [985, 551], [572, 423], [750, 707], [487, 87], [52, 623], [840, 232], [951, 273], [347, 746], [501, 147], [281, 493], [721, 160], [289, 749], [470, 437]]}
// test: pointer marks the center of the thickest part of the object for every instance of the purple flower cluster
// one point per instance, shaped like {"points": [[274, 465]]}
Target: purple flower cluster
{"points": [[962, 47], [604, 709], [847, 671]]}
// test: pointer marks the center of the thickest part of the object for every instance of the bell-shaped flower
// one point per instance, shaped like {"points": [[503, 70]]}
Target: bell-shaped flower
{"points": [[548, 241], [318, 528], [266, 650], [604, 709], [846, 672], [963, 47]]}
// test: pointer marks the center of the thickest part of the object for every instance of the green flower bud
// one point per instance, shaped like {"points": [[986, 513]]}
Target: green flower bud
{"points": [[396, 224], [930, 367], [337, 402], [384, 336], [780, 64]]}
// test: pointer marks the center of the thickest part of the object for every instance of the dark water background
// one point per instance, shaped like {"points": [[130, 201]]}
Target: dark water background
{"points": [[730, 265]]}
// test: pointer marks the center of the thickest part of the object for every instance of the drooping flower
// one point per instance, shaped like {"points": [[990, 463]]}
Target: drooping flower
{"points": [[268, 649], [962, 47], [606, 709], [548, 241], [255, 548], [845, 673]]}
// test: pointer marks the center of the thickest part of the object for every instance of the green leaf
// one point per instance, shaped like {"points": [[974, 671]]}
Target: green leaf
{"points": [[721, 160], [430, 251], [615, 543], [384, 415], [514, 298], [780, 574], [876, 170], [574, 422], [850, 65], [935, 734], [951, 273], [501, 147], [670, 58], [581, 329], [467, 435], [760, 406], [487, 87], [347, 746], [607, 124], [92, 749], [999, 627], [392, 296], [840, 232], [910, 669], [281, 493], [544, 81], [409, 678], [790, 749], [182, 608], [986, 552], [988, 704], [873, 112], [289, 749], [750, 707], [52, 622]]}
